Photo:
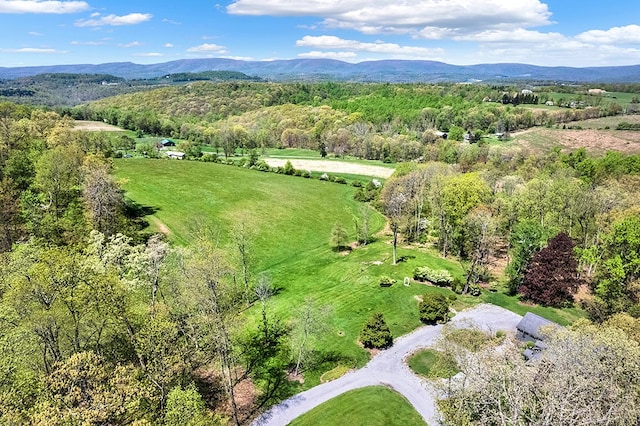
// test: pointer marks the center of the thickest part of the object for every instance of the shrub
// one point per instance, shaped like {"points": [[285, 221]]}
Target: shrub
{"points": [[288, 168], [440, 277], [262, 166], [434, 308], [340, 179], [386, 281], [474, 289], [376, 333]]}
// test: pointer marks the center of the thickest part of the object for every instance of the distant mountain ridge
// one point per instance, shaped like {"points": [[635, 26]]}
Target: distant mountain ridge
{"points": [[328, 69]]}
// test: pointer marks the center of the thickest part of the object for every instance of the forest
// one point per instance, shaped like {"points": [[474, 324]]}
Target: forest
{"points": [[104, 321]]}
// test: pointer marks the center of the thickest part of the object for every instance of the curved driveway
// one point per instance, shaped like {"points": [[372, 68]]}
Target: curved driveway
{"points": [[388, 368]]}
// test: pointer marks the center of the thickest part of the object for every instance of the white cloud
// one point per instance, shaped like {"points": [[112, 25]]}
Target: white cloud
{"points": [[169, 21], [380, 47], [407, 17], [239, 58], [168, 45], [88, 43], [130, 45], [552, 51], [516, 36], [149, 54], [35, 34], [114, 20], [38, 6], [328, 55], [208, 47], [629, 34], [32, 50]]}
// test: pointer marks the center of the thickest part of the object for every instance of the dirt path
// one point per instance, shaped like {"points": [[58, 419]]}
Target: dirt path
{"points": [[389, 368], [331, 166], [161, 226]]}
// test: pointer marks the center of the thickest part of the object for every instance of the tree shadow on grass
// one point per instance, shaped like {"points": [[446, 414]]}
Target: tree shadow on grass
{"points": [[136, 215]]}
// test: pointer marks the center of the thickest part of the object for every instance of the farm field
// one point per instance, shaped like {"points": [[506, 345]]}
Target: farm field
{"points": [[596, 136]]}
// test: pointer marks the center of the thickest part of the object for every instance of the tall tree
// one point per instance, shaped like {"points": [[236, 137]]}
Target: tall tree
{"points": [[552, 275], [480, 230], [217, 306], [103, 197]]}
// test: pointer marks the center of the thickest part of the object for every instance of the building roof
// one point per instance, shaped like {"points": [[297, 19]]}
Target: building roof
{"points": [[176, 154], [533, 325]]}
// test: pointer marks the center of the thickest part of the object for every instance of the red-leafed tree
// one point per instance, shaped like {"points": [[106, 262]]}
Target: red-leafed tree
{"points": [[551, 277]]}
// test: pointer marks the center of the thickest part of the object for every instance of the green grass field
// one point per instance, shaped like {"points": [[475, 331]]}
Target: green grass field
{"points": [[292, 218], [370, 406], [432, 364]]}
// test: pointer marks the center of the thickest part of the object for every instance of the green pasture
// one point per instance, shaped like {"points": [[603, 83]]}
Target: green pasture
{"points": [[292, 218], [370, 406]]}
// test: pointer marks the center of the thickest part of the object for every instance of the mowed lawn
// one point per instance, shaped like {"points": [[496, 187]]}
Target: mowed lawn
{"points": [[292, 218], [370, 406]]}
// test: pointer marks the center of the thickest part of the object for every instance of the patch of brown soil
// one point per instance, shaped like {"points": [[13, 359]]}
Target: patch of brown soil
{"points": [[601, 140], [210, 385], [583, 293], [95, 126], [161, 226], [245, 393], [499, 259], [333, 166]]}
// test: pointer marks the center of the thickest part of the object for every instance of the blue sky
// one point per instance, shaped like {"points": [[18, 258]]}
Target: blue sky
{"points": [[553, 33]]}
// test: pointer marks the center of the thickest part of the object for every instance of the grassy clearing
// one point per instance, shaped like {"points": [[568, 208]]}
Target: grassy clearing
{"points": [[433, 364], [370, 406], [292, 218], [563, 316]]}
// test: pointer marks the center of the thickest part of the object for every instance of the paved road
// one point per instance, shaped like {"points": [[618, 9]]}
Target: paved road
{"points": [[388, 368]]}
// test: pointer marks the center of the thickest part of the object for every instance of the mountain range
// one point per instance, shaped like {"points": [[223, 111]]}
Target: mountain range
{"points": [[327, 69]]}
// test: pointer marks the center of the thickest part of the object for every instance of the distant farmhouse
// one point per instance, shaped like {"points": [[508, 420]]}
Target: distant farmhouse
{"points": [[534, 328], [167, 142]]}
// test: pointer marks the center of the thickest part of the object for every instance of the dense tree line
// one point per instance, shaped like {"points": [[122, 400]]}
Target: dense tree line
{"points": [[373, 121], [561, 226], [102, 324]]}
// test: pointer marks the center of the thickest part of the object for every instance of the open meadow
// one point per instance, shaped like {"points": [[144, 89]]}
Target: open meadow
{"points": [[292, 219]]}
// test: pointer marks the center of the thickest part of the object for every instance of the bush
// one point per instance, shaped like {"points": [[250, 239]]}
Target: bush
{"points": [[386, 281], [434, 308], [474, 289], [340, 179], [262, 166], [440, 277], [288, 168], [376, 333]]}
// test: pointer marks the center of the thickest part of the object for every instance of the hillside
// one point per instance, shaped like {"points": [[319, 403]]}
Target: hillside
{"points": [[325, 69]]}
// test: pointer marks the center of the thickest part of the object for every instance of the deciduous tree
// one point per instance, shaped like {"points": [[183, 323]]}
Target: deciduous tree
{"points": [[551, 277]]}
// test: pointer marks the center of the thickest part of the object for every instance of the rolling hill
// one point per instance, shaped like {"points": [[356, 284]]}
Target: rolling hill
{"points": [[326, 69]]}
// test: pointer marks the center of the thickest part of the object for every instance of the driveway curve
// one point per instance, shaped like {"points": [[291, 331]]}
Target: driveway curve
{"points": [[388, 368]]}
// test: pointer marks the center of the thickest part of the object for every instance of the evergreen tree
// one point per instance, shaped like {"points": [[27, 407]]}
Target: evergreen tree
{"points": [[376, 333]]}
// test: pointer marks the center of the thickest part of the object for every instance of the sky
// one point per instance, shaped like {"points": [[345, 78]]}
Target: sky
{"points": [[577, 33]]}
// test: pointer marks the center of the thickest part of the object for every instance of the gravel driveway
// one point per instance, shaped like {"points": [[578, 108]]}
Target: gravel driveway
{"points": [[388, 368]]}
